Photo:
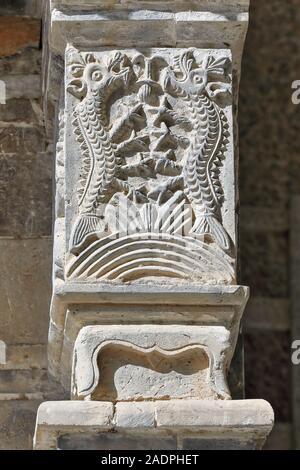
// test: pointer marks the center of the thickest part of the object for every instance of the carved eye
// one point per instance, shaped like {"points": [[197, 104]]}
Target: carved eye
{"points": [[96, 75], [198, 79]]}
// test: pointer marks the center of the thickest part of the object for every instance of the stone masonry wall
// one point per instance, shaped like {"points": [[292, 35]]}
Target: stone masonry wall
{"points": [[269, 179], [26, 166], [269, 175]]}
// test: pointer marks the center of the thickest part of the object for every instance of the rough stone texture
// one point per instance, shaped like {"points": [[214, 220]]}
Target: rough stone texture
{"points": [[25, 288], [280, 437], [113, 441], [260, 378], [271, 63], [25, 62], [150, 362], [21, 110], [152, 139], [17, 421], [25, 207], [245, 422], [269, 176], [26, 34], [264, 258], [31, 8], [190, 443]]}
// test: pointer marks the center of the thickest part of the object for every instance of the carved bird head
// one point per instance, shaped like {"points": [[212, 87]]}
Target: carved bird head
{"points": [[92, 75]]}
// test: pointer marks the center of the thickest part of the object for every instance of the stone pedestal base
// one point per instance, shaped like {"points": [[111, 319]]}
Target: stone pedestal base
{"points": [[159, 425]]}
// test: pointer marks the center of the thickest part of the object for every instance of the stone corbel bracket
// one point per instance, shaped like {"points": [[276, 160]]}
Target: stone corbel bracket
{"points": [[75, 306], [159, 341]]}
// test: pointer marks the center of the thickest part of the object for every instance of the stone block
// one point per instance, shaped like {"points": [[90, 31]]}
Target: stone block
{"points": [[128, 362], [251, 416], [22, 86], [21, 140], [3, 358], [194, 423], [31, 8], [262, 378], [190, 443], [131, 415], [266, 313], [25, 62], [26, 34], [280, 438], [117, 441], [25, 185], [17, 422], [27, 384], [25, 288], [24, 357], [20, 110], [264, 263]]}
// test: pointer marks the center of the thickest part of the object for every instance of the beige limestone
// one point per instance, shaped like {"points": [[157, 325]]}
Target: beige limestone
{"points": [[145, 303], [246, 420]]}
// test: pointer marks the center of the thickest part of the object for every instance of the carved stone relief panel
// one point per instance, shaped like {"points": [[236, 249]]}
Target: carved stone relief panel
{"points": [[150, 166]]}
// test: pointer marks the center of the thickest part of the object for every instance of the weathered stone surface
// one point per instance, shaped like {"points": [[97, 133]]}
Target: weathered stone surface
{"points": [[129, 415], [295, 305], [269, 176], [32, 8], [24, 62], [3, 356], [25, 288], [157, 164], [247, 421], [106, 305], [265, 313], [280, 437], [223, 415], [21, 110], [117, 441], [261, 380], [27, 383], [22, 86], [26, 203], [26, 34], [264, 263], [55, 417], [21, 140], [147, 131], [150, 362], [197, 443], [17, 421], [24, 357]]}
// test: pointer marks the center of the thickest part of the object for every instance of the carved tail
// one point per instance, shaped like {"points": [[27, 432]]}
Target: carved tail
{"points": [[207, 224], [86, 224]]}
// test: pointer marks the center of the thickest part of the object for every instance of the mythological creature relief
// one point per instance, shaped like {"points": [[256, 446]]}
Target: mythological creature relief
{"points": [[152, 140]]}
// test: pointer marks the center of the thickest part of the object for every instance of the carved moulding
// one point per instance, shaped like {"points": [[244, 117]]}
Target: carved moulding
{"points": [[149, 149], [151, 362], [78, 305]]}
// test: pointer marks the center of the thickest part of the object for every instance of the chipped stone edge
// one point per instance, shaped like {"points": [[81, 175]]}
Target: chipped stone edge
{"points": [[244, 419]]}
